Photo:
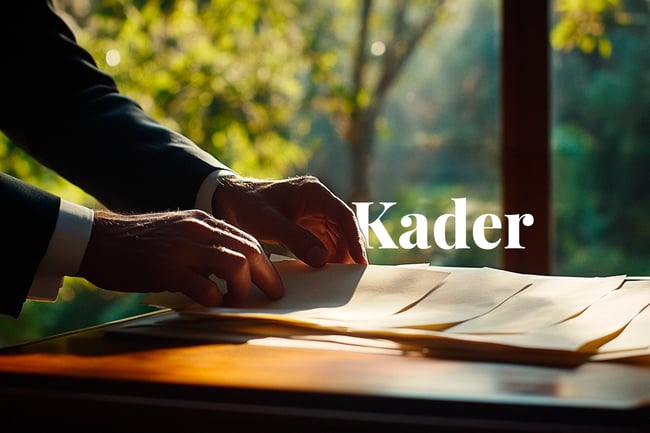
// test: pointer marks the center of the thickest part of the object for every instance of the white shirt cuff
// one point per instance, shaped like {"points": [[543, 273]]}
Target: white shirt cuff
{"points": [[208, 187], [65, 251]]}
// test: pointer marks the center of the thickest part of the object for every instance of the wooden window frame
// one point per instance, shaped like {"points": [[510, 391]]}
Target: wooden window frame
{"points": [[525, 114]]}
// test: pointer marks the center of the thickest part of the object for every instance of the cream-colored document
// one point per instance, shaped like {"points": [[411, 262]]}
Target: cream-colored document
{"points": [[476, 313], [633, 341], [548, 300], [335, 295], [465, 294], [596, 325]]}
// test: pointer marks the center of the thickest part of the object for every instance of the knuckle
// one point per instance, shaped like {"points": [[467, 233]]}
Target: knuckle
{"points": [[310, 185], [251, 248], [198, 214], [234, 259]]}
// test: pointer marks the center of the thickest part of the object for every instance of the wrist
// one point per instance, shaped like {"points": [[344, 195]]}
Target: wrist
{"points": [[223, 195], [203, 200]]}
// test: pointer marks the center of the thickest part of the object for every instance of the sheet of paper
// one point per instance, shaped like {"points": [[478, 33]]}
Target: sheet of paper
{"points": [[334, 342], [460, 296], [593, 327], [333, 292], [548, 300], [473, 346], [636, 335], [463, 295]]}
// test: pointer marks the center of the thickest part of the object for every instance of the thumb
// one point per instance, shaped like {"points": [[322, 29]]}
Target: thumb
{"points": [[302, 243]]}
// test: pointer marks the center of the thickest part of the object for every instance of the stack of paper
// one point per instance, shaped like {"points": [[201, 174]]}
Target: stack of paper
{"points": [[475, 313]]}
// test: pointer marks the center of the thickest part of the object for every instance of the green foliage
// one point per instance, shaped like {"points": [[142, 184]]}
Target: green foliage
{"points": [[226, 74], [582, 24], [601, 154]]}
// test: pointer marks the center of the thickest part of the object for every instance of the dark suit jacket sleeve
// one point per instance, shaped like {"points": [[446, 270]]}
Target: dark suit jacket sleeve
{"points": [[69, 115], [59, 107], [27, 221]]}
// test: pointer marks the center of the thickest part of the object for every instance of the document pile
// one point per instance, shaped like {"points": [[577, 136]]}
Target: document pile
{"points": [[470, 313]]}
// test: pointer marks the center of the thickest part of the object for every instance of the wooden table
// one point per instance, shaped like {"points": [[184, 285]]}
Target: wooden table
{"points": [[93, 381]]}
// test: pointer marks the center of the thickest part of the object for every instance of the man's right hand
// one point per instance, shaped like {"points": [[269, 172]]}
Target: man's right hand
{"points": [[177, 252]]}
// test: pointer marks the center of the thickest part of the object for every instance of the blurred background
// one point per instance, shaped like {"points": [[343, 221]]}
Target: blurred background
{"points": [[384, 101]]}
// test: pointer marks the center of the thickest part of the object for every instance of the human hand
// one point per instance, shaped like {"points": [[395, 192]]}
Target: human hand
{"points": [[177, 252], [298, 213]]}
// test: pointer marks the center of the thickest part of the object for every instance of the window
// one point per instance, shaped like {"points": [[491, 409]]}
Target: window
{"points": [[505, 106]]}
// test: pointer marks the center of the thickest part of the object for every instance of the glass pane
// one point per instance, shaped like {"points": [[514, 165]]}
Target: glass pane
{"points": [[601, 137]]}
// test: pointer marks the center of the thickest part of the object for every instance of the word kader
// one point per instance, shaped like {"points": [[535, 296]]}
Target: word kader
{"points": [[417, 231]]}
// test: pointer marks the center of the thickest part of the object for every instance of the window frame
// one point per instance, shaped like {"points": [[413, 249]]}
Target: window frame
{"points": [[525, 130]]}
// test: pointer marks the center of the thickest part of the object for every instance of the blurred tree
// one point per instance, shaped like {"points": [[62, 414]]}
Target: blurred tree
{"points": [[386, 36], [366, 97], [437, 131]]}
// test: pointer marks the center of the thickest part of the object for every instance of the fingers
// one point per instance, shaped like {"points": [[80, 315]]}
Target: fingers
{"points": [[356, 245], [327, 216], [330, 220], [202, 290], [238, 258], [316, 240], [343, 230], [241, 265], [177, 252]]}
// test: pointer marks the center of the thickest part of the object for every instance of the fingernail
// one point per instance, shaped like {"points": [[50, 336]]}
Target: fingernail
{"points": [[316, 256]]}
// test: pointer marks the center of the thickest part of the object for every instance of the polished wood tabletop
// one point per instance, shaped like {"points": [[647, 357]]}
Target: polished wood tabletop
{"points": [[93, 380]]}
